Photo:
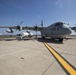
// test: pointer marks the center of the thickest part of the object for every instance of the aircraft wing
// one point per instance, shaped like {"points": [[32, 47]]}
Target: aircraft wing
{"points": [[73, 28], [32, 28], [24, 27], [12, 27]]}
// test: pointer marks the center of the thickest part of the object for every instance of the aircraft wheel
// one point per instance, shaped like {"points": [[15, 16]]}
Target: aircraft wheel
{"points": [[60, 39], [43, 37], [52, 38]]}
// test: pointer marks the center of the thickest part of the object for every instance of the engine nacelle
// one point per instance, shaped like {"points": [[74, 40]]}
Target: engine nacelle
{"points": [[25, 34], [28, 31], [19, 28], [9, 31]]}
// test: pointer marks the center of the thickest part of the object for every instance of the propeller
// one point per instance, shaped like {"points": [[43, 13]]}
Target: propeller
{"points": [[18, 27], [37, 26]]}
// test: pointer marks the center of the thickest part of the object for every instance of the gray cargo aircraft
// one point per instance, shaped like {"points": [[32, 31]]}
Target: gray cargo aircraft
{"points": [[58, 30]]}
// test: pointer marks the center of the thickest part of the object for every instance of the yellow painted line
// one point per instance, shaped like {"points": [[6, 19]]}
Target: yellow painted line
{"points": [[64, 63]]}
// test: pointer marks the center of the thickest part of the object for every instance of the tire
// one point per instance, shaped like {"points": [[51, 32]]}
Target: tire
{"points": [[61, 39]]}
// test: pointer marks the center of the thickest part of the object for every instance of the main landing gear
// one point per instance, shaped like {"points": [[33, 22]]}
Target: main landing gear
{"points": [[60, 39]]}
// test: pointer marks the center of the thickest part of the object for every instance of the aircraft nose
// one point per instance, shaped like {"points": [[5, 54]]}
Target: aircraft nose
{"points": [[68, 30]]}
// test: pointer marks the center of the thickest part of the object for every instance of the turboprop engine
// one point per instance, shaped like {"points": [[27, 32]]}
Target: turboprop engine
{"points": [[9, 30]]}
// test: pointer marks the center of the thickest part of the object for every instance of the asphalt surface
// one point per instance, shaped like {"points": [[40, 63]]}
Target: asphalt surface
{"points": [[31, 57]]}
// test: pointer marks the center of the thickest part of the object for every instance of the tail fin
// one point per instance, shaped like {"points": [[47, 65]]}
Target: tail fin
{"points": [[42, 23]]}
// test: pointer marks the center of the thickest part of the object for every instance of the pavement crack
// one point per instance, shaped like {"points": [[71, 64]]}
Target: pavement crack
{"points": [[66, 48], [69, 54], [48, 67]]}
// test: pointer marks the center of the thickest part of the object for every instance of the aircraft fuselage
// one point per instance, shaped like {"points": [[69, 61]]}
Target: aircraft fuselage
{"points": [[56, 30]]}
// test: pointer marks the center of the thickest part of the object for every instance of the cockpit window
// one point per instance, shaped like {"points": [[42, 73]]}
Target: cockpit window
{"points": [[59, 24]]}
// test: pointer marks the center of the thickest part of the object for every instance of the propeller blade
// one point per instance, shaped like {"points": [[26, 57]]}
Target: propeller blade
{"points": [[21, 22]]}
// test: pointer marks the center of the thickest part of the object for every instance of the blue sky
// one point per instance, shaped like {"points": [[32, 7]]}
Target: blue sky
{"points": [[12, 12]]}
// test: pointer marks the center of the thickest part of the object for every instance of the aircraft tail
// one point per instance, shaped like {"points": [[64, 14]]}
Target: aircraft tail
{"points": [[42, 23]]}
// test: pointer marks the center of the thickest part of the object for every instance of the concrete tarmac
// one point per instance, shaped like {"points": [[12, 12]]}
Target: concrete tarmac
{"points": [[31, 57]]}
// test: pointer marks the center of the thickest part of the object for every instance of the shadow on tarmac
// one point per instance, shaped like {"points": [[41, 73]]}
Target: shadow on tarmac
{"points": [[49, 41], [11, 39], [38, 39]]}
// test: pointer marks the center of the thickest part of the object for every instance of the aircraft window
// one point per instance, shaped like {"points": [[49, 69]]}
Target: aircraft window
{"points": [[59, 24]]}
